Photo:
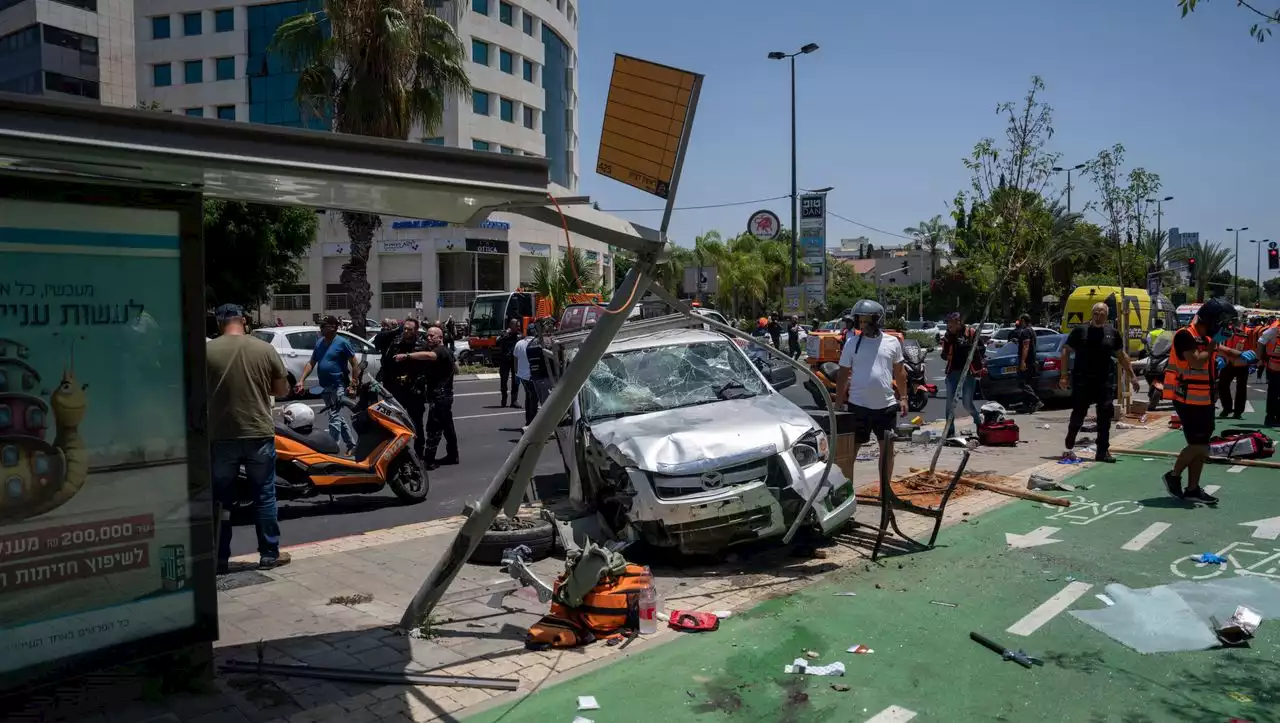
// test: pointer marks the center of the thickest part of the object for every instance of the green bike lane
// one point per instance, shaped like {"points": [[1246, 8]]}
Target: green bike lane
{"points": [[1124, 529]]}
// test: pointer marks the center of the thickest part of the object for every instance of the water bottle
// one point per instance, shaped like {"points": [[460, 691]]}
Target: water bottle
{"points": [[648, 609]]}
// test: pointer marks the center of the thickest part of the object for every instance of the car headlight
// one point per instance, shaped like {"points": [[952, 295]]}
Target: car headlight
{"points": [[811, 449]]}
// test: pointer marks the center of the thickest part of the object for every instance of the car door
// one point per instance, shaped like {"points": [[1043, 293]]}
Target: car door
{"points": [[367, 352]]}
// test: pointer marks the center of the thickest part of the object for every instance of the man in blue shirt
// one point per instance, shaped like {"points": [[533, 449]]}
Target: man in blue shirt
{"points": [[332, 359]]}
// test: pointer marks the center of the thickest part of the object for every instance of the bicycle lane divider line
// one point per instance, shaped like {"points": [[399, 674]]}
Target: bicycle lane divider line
{"points": [[1049, 609], [1142, 539], [1211, 489], [1268, 529], [1235, 469], [892, 714]]}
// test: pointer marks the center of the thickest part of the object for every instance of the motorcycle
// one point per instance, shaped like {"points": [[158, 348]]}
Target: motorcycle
{"points": [[920, 390], [308, 462], [1156, 364]]}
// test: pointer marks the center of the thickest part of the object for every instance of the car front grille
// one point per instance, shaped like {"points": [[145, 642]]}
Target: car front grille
{"points": [[672, 486]]}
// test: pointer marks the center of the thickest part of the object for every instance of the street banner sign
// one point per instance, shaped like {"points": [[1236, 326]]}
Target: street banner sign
{"points": [[646, 123], [764, 224], [793, 300], [813, 246]]}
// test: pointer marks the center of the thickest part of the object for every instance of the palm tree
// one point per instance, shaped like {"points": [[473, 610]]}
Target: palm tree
{"points": [[378, 68], [557, 280], [933, 235], [1211, 260]]}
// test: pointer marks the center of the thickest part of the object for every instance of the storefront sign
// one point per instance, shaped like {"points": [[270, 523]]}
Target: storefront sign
{"points": [[96, 541], [539, 250], [337, 249], [485, 246], [764, 224], [450, 246], [432, 223], [813, 247], [400, 246]]}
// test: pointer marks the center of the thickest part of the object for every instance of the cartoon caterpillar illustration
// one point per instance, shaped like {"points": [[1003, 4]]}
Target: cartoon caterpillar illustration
{"points": [[37, 476]]}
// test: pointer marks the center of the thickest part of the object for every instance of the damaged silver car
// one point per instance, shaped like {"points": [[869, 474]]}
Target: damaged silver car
{"points": [[679, 440]]}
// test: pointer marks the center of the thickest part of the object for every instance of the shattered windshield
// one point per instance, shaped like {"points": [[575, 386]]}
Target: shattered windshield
{"points": [[639, 381]]}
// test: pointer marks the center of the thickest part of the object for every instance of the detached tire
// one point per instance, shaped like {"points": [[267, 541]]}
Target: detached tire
{"points": [[535, 533]]}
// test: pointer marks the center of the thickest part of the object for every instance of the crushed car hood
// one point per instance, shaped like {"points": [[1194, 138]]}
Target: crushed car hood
{"points": [[694, 439]]}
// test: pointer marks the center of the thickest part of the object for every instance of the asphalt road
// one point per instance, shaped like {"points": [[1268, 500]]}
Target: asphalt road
{"points": [[486, 435]]}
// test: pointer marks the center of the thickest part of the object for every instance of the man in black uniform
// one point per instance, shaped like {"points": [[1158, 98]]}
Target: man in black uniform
{"points": [[793, 338], [404, 377], [1096, 346], [451, 333], [439, 373], [1028, 370], [504, 350], [775, 331]]}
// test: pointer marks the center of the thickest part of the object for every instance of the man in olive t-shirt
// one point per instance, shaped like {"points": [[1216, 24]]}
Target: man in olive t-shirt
{"points": [[243, 374]]}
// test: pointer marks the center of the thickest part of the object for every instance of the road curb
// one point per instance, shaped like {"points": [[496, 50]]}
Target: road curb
{"points": [[476, 377]]}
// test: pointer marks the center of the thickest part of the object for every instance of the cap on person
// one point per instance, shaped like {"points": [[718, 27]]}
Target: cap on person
{"points": [[228, 312], [329, 320]]}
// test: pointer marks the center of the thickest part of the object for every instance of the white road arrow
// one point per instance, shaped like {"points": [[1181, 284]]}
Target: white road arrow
{"points": [[1268, 529], [1034, 538]]}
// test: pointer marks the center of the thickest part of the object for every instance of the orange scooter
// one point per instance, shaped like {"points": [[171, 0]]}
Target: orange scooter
{"points": [[308, 463]]}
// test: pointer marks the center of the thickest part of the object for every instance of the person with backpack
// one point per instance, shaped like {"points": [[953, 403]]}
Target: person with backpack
{"points": [[1097, 348], [959, 340]]}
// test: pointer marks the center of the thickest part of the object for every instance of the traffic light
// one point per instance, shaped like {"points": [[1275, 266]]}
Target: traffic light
{"points": [[1191, 267], [1273, 258]]}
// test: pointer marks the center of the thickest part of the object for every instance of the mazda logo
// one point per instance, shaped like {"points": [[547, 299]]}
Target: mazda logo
{"points": [[712, 480]]}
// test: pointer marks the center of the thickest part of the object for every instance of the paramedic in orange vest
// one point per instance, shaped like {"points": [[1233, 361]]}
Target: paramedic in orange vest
{"points": [[1269, 346], [1189, 384], [1236, 371]]}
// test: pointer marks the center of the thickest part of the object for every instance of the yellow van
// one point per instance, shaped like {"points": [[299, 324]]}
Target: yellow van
{"points": [[1141, 308]]}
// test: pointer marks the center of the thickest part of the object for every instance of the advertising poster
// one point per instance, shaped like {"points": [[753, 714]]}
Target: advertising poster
{"points": [[813, 247], [95, 522]]}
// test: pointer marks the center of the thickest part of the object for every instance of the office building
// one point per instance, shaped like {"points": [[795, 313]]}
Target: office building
{"points": [[1181, 239], [80, 49], [210, 59]]}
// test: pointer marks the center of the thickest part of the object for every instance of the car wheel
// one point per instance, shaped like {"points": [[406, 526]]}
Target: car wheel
{"points": [[506, 532], [464, 356]]}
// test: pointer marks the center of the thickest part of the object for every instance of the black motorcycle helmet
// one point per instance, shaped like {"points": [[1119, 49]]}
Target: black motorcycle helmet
{"points": [[1214, 314]]}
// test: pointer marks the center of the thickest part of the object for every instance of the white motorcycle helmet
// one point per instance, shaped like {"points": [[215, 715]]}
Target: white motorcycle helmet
{"points": [[298, 417]]}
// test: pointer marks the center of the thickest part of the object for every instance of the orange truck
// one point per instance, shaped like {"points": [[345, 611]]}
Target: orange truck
{"points": [[490, 313]]}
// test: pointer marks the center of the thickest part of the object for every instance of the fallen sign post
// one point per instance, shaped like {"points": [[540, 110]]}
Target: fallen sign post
{"points": [[1214, 460], [1010, 491]]}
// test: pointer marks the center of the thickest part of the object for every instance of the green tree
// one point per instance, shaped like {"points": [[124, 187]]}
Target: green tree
{"points": [[1211, 260], [377, 68], [1271, 287], [250, 249], [559, 279], [933, 236], [1258, 31], [845, 286]]}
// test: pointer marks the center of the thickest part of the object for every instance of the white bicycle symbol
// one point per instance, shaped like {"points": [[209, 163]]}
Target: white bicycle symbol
{"points": [[1084, 511], [1262, 563]]}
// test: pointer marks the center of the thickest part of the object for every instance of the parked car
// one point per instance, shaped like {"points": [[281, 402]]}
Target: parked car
{"points": [[295, 344], [1002, 335], [679, 440], [1001, 384]]}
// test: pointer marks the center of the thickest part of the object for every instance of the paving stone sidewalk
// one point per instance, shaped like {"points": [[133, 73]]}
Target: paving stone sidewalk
{"points": [[338, 603]]}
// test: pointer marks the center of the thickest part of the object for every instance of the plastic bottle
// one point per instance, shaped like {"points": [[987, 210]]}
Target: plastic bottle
{"points": [[648, 608]]}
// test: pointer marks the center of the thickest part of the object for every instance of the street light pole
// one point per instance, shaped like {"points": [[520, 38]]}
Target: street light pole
{"points": [[776, 55], [1236, 281], [1258, 279], [1059, 169]]}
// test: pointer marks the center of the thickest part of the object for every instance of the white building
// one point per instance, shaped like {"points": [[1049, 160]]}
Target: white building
{"points": [[209, 58], [81, 49]]}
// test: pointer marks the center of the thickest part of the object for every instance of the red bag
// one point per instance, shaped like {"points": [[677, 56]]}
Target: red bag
{"points": [[1241, 444], [1004, 432]]}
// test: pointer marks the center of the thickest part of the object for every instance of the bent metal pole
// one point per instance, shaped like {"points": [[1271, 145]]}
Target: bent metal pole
{"points": [[507, 489]]}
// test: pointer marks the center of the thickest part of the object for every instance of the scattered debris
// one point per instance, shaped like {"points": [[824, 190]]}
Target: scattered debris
{"points": [[1148, 459], [1046, 426], [920, 489], [580, 719], [1040, 482], [588, 702], [1106, 600], [1239, 697], [1210, 558], [722, 614], [812, 654], [943, 604], [879, 586], [840, 687], [349, 600], [802, 667], [860, 650], [844, 594], [1239, 628], [1018, 656]]}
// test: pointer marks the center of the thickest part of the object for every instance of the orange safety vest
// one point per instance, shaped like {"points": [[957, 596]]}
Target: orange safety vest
{"points": [[1273, 354], [1240, 342], [1184, 384]]}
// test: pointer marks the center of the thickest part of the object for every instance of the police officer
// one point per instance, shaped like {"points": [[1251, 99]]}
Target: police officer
{"points": [[504, 349], [403, 375], [439, 372]]}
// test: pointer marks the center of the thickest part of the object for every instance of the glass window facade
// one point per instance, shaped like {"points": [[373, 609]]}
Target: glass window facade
{"points": [[479, 102], [528, 117], [526, 23], [195, 112], [160, 27], [191, 24], [271, 81], [162, 75], [507, 110], [506, 61], [21, 60], [225, 68], [506, 13], [554, 72], [193, 72], [224, 21], [59, 83], [436, 141], [479, 145], [528, 70], [480, 6], [227, 112], [479, 52]]}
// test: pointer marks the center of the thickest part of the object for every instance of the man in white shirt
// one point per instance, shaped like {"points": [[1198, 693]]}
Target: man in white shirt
{"points": [[1269, 360], [870, 364], [524, 376]]}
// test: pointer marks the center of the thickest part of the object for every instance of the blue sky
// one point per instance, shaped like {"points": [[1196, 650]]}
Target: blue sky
{"points": [[901, 90]]}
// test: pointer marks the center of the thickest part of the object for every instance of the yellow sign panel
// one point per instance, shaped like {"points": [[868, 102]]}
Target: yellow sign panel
{"points": [[644, 123]]}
